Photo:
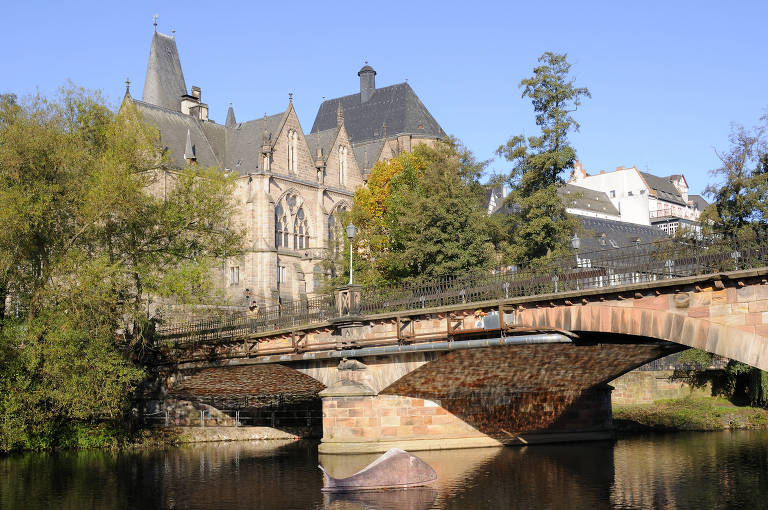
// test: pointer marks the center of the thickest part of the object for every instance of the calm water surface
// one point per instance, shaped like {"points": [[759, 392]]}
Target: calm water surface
{"points": [[701, 471]]}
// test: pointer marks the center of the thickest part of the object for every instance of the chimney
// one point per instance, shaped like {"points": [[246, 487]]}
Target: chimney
{"points": [[196, 93], [367, 82]]}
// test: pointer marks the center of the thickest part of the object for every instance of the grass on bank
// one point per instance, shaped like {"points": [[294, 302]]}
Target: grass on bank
{"points": [[688, 414]]}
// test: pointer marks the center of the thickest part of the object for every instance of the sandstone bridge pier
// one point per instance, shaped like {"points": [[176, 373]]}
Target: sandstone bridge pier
{"points": [[505, 357]]}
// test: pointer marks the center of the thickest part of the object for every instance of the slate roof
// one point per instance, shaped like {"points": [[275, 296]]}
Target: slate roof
{"points": [[367, 153], [698, 202], [663, 188], [230, 122], [323, 140], [237, 148], [396, 105], [164, 83], [244, 142], [618, 234], [173, 127], [588, 200]]}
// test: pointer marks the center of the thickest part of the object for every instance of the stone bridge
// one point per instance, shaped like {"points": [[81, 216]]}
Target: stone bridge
{"points": [[514, 369]]}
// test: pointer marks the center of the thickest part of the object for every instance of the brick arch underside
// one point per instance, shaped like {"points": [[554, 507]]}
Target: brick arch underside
{"points": [[676, 326], [247, 387], [529, 389]]}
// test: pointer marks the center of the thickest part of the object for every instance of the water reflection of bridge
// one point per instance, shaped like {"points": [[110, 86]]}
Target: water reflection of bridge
{"points": [[496, 358]]}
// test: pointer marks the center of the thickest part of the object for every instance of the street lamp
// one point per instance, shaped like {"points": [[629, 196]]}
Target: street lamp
{"points": [[351, 232], [576, 242]]}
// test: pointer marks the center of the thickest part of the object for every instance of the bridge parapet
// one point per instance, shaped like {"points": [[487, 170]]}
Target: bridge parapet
{"points": [[657, 265]]}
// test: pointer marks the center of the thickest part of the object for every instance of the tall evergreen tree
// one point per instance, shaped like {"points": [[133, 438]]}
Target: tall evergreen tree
{"points": [[539, 225]]}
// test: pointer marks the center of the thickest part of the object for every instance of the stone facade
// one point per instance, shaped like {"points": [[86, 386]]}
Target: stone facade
{"points": [[291, 186]]}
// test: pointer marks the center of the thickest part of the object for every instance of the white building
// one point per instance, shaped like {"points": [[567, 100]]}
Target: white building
{"points": [[644, 198]]}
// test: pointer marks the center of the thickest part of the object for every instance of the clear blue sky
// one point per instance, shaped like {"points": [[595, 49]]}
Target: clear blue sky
{"points": [[667, 78]]}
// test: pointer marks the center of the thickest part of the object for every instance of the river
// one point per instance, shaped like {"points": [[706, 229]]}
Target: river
{"points": [[675, 471]]}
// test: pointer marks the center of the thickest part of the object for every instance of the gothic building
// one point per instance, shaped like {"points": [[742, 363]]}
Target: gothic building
{"points": [[291, 185]]}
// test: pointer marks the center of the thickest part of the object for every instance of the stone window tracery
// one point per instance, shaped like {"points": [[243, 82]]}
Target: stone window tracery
{"points": [[281, 227], [300, 230]]}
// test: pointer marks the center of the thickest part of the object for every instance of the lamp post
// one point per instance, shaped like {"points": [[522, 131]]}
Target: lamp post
{"points": [[351, 232]]}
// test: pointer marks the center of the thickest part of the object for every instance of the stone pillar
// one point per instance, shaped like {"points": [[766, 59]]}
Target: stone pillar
{"points": [[356, 419], [348, 301]]}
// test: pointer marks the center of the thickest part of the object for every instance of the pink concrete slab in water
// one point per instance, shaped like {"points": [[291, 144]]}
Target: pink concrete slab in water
{"points": [[396, 469]]}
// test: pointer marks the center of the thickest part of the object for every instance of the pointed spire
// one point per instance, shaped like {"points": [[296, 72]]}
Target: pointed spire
{"points": [[189, 150], [164, 84], [127, 87], [339, 115], [230, 122]]}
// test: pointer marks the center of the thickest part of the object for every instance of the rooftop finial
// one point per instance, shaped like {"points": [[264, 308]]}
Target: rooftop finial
{"points": [[154, 21], [127, 86], [173, 33], [290, 97]]}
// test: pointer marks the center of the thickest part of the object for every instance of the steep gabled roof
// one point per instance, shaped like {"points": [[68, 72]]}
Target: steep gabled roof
{"points": [[173, 127], [663, 188], [164, 84], [367, 154], [397, 105], [322, 140], [244, 142]]}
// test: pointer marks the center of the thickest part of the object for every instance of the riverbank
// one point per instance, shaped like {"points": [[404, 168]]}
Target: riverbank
{"points": [[687, 414]]}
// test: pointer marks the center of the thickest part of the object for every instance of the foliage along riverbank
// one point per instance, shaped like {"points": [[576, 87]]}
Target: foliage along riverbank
{"points": [[688, 414]]}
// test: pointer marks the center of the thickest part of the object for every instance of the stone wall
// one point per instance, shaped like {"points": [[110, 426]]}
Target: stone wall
{"points": [[646, 387]]}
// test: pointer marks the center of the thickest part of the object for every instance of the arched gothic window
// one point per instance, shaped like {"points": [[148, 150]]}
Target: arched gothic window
{"points": [[342, 164], [334, 224], [281, 227], [331, 227], [300, 230]]}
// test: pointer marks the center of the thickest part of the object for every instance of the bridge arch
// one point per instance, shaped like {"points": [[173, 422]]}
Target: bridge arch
{"points": [[722, 328]]}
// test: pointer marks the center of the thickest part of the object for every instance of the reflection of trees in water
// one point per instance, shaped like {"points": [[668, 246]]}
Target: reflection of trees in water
{"points": [[219, 475], [698, 470], [701, 470]]}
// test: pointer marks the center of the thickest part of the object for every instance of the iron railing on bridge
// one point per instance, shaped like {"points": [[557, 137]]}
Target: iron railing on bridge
{"points": [[661, 260]]}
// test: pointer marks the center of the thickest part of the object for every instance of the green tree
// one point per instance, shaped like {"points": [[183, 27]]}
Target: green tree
{"points": [[539, 224], [740, 197], [421, 216], [89, 237]]}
